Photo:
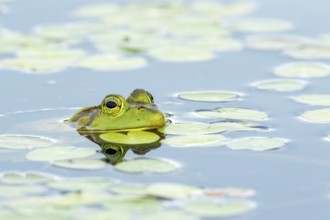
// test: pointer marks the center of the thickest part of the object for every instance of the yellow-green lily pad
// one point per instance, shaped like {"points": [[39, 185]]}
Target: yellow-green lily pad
{"points": [[210, 96], [18, 142], [105, 62], [235, 113], [273, 42], [132, 137], [19, 178], [280, 85], [153, 165], [82, 184], [303, 70], [261, 25], [226, 208], [257, 143], [80, 164], [197, 140], [309, 51], [172, 190], [21, 190], [313, 99], [59, 153], [59, 54], [318, 116]]}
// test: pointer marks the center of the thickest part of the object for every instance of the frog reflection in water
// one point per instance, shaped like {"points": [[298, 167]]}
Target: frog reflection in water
{"points": [[115, 114]]}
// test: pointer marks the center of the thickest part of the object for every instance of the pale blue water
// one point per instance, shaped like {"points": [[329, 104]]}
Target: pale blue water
{"points": [[291, 183]]}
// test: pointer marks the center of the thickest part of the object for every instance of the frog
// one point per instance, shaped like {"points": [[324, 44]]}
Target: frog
{"points": [[117, 114]]}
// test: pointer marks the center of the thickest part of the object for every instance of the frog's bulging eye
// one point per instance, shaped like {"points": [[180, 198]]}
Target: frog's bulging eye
{"points": [[111, 104], [150, 97]]}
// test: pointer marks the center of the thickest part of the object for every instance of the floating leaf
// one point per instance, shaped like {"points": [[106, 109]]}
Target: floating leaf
{"points": [[12, 141], [257, 143], [309, 51], [280, 85], [216, 44], [262, 25], [172, 190], [82, 184], [64, 54], [80, 164], [313, 99], [195, 141], [153, 165], [97, 10], [106, 62], [225, 208], [274, 42], [20, 191], [205, 96], [318, 116], [303, 70], [235, 113], [132, 137], [178, 53], [59, 153], [17, 178]]}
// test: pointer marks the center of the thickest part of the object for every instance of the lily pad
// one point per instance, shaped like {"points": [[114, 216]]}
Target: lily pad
{"points": [[303, 70], [275, 42], [212, 96], [21, 190], [257, 143], [280, 85], [13, 141], [59, 153], [191, 128], [318, 116], [225, 208], [261, 25], [108, 62], [18, 178], [309, 51], [235, 113], [313, 99], [132, 137], [195, 141], [80, 164], [82, 184], [64, 54], [153, 165], [172, 190]]}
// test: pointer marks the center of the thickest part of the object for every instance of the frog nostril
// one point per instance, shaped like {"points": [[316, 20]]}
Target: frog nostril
{"points": [[140, 108], [110, 151]]}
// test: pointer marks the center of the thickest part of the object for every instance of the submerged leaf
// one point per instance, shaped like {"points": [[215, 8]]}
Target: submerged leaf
{"points": [[257, 143], [153, 165], [261, 25], [172, 190], [235, 113], [195, 141]]}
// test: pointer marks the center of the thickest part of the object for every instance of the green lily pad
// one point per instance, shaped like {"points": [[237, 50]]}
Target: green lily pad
{"points": [[153, 165], [18, 178], [318, 116], [108, 62], [280, 85], [195, 141], [235, 113], [21, 190], [80, 164], [225, 208], [186, 128], [59, 54], [212, 96], [82, 184], [313, 99], [309, 51], [59, 153], [172, 190], [178, 53], [274, 42], [132, 137], [18, 142], [35, 65], [257, 143], [303, 70], [261, 25]]}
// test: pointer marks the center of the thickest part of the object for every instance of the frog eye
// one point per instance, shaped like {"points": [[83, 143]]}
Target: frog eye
{"points": [[112, 104], [151, 98]]}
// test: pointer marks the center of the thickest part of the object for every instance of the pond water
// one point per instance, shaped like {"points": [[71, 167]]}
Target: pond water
{"points": [[291, 182]]}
